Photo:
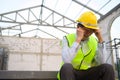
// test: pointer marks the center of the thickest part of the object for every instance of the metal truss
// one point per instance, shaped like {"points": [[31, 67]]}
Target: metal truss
{"points": [[38, 15]]}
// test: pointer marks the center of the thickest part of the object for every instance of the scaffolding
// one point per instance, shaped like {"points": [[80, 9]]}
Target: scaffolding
{"points": [[115, 47]]}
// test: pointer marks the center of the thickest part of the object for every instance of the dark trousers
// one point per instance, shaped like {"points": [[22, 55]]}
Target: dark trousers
{"points": [[101, 72]]}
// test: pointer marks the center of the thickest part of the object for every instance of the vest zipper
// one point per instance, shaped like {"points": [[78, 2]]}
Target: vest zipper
{"points": [[83, 59]]}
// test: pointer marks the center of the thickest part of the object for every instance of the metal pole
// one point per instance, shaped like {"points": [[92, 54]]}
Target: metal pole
{"points": [[117, 58]]}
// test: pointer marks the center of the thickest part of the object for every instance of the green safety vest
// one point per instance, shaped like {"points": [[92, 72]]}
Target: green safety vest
{"points": [[82, 61]]}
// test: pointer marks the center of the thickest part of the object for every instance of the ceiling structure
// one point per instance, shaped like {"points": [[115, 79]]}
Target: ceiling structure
{"points": [[52, 18]]}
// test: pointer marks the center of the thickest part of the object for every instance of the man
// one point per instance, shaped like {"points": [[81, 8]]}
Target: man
{"points": [[79, 51]]}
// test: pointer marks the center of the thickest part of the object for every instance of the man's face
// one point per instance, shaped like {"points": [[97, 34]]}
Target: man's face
{"points": [[87, 31]]}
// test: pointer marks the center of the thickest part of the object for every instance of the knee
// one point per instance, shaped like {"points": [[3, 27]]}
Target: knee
{"points": [[108, 67], [67, 66]]}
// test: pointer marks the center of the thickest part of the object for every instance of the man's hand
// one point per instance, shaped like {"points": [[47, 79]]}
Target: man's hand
{"points": [[98, 35], [80, 34]]}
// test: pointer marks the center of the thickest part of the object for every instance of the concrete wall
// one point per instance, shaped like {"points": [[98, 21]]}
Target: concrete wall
{"points": [[105, 26], [32, 53]]}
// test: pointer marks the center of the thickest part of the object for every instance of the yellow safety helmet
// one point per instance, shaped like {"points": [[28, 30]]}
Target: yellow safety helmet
{"points": [[89, 20]]}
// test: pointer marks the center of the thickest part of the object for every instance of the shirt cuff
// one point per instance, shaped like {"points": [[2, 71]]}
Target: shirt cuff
{"points": [[76, 45]]}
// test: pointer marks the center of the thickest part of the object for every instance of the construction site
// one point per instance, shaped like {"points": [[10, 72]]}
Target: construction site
{"points": [[31, 36]]}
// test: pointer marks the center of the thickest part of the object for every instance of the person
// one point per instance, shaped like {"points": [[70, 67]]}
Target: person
{"points": [[79, 51]]}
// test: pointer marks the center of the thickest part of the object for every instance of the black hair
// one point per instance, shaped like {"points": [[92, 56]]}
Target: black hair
{"points": [[80, 25]]}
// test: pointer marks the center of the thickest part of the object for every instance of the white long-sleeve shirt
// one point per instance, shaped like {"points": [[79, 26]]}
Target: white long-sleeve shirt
{"points": [[68, 53]]}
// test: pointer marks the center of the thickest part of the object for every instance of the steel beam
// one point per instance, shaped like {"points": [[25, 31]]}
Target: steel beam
{"points": [[87, 7], [38, 21]]}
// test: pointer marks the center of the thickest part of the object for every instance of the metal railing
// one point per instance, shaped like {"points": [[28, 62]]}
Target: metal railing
{"points": [[114, 45]]}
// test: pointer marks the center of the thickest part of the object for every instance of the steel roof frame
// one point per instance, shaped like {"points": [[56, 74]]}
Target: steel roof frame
{"points": [[39, 21]]}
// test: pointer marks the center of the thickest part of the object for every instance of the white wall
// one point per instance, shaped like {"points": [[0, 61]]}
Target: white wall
{"points": [[32, 53]]}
